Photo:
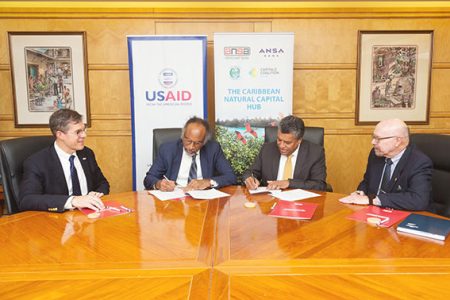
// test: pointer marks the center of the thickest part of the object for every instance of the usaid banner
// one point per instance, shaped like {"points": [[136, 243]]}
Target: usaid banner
{"points": [[253, 89], [167, 86]]}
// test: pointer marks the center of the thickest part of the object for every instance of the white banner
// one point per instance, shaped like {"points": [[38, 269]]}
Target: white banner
{"points": [[253, 88], [167, 85]]}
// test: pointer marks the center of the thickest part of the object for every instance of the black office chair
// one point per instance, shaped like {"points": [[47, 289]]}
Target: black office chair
{"points": [[13, 153], [164, 135], [312, 134], [437, 147]]}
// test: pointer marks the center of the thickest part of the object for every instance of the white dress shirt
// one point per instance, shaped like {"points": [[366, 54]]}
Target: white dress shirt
{"points": [[283, 159], [185, 167], [64, 159], [395, 160]]}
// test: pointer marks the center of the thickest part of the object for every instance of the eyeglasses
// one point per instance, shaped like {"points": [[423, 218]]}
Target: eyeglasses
{"points": [[79, 132], [378, 139], [188, 142]]}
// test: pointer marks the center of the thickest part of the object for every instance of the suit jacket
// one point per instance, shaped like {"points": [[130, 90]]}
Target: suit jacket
{"points": [[212, 160], [309, 173], [44, 187], [410, 184]]}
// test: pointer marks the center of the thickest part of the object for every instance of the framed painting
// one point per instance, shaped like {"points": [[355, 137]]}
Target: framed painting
{"points": [[49, 72], [394, 75]]}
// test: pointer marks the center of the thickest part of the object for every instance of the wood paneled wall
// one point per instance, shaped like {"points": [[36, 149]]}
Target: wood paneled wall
{"points": [[324, 71]]}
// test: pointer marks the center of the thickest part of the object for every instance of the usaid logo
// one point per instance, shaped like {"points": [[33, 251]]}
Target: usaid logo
{"points": [[236, 51], [168, 78], [271, 52]]}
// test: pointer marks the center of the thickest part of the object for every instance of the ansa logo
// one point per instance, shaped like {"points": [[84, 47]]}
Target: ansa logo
{"points": [[236, 51], [271, 52]]}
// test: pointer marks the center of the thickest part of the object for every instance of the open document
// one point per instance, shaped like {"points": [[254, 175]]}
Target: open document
{"points": [[177, 193], [261, 189], [293, 195], [207, 194], [196, 194]]}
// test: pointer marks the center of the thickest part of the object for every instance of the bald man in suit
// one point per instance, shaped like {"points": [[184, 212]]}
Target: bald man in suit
{"points": [[398, 175]]}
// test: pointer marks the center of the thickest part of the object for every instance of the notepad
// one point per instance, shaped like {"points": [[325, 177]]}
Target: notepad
{"points": [[387, 217], [425, 226], [112, 208], [293, 210]]}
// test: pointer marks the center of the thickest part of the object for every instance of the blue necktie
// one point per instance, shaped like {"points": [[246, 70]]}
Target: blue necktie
{"points": [[386, 174], [76, 190], [193, 169]]}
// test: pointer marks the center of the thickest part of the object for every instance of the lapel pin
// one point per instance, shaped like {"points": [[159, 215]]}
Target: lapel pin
{"points": [[84, 158]]}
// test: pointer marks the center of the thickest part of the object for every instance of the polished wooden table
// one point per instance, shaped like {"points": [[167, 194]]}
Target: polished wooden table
{"points": [[215, 249]]}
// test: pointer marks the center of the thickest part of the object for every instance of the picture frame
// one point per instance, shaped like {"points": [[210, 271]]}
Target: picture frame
{"points": [[48, 72], [394, 76]]}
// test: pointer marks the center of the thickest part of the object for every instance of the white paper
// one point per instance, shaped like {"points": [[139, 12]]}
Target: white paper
{"points": [[293, 195], [262, 189], [163, 196], [207, 194]]}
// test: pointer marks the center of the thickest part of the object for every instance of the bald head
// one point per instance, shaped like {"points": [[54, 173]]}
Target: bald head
{"points": [[393, 127], [390, 137]]}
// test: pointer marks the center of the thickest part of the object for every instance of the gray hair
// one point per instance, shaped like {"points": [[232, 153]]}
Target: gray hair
{"points": [[60, 120], [201, 122]]}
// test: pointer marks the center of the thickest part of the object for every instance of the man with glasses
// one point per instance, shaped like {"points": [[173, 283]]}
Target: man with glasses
{"points": [[194, 161], [65, 175], [398, 175]]}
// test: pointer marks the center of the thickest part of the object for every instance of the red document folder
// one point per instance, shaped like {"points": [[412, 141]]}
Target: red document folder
{"points": [[112, 208], [387, 217], [293, 210]]}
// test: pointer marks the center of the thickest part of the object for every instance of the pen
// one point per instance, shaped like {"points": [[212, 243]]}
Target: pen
{"points": [[125, 208], [165, 177], [112, 208]]}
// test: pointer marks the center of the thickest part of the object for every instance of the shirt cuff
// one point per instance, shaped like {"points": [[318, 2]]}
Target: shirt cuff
{"points": [[213, 183], [68, 205], [376, 201]]}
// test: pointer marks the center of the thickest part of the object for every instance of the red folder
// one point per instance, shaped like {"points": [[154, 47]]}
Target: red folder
{"points": [[387, 217], [293, 210], [112, 208]]}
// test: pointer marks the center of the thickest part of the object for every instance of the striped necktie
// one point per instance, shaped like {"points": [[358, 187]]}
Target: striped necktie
{"points": [[193, 169]]}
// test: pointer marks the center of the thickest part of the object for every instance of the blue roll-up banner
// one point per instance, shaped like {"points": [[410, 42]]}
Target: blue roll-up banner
{"points": [[167, 86], [253, 89]]}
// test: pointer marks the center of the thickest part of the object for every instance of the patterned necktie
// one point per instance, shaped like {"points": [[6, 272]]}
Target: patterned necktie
{"points": [[76, 190], [193, 169], [386, 174], [287, 173]]}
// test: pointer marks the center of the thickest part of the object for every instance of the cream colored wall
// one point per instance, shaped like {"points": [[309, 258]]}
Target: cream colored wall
{"points": [[324, 74]]}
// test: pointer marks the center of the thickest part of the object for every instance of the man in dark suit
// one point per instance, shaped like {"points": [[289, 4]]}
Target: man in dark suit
{"points": [[398, 175], [194, 161], [290, 162], [64, 175]]}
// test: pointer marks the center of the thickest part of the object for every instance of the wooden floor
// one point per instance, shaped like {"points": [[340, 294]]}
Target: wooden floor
{"points": [[216, 249]]}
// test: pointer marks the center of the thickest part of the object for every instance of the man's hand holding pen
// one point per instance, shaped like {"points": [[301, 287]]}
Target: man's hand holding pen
{"points": [[165, 185], [251, 183]]}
